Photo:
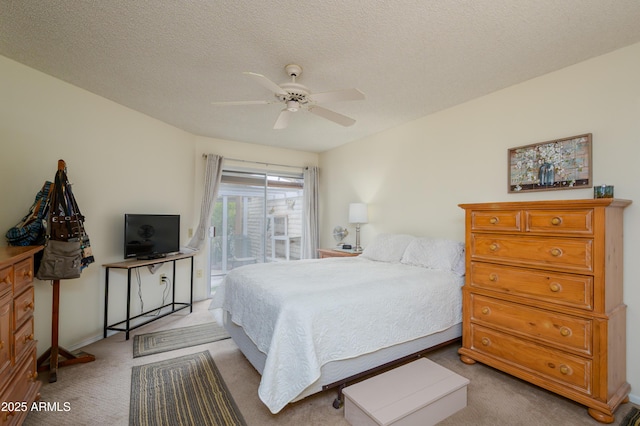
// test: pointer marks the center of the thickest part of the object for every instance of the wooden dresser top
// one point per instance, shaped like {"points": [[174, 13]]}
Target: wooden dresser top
{"points": [[12, 254], [592, 202]]}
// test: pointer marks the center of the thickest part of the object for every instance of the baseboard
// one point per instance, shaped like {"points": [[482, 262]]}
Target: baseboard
{"points": [[89, 341]]}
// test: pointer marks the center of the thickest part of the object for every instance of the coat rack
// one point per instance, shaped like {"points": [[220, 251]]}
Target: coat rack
{"points": [[50, 359]]}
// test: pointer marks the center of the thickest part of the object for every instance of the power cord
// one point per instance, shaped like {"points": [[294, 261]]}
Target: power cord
{"points": [[139, 289], [167, 286], [165, 293]]}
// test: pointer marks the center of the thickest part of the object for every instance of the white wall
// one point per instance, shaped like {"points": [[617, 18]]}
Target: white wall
{"points": [[119, 161], [414, 176]]}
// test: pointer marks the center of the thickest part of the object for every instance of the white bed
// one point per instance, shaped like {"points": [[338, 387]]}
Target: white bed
{"points": [[307, 325]]}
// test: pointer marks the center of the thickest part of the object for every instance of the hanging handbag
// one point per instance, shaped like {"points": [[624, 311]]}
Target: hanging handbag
{"points": [[65, 218], [87, 253], [62, 254], [60, 260], [64, 228], [30, 230], [75, 225]]}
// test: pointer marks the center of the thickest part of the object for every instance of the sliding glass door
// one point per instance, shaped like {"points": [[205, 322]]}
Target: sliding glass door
{"points": [[257, 218]]}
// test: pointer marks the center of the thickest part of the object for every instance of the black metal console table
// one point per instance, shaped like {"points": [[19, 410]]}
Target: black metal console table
{"points": [[130, 265]]}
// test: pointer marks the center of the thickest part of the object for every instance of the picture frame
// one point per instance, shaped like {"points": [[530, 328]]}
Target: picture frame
{"points": [[556, 164]]}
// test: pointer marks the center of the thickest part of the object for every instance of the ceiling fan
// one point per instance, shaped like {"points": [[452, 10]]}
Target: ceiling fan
{"points": [[296, 96]]}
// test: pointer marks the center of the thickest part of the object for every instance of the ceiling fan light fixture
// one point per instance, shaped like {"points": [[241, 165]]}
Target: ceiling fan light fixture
{"points": [[296, 96]]}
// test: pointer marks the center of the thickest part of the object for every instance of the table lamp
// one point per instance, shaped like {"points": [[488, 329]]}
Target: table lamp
{"points": [[358, 215]]}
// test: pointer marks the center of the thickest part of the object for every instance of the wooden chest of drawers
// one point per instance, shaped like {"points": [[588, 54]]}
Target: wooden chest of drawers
{"points": [[18, 377], [543, 297]]}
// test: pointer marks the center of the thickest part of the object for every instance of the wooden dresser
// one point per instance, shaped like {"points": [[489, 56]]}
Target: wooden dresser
{"points": [[543, 297], [18, 377]]}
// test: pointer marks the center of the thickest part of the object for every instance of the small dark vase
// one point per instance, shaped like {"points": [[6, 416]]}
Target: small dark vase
{"points": [[546, 174]]}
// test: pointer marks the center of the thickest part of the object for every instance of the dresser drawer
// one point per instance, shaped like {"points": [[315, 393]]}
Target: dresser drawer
{"points": [[6, 308], [23, 338], [23, 307], [558, 330], [496, 220], [561, 289], [554, 365], [22, 274], [577, 222], [573, 254], [6, 277], [23, 388]]}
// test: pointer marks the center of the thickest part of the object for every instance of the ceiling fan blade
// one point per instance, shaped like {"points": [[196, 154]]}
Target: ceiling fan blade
{"points": [[342, 120], [338, 95], [283, 120], [265, 82], [243, 103]]}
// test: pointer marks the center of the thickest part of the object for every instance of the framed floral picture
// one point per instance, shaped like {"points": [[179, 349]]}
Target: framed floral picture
{"points": [[557, 164]]}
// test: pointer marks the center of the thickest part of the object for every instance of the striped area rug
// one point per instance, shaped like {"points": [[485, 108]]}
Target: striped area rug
{"points": [[632, 418], [177, 338], [187, 390]]}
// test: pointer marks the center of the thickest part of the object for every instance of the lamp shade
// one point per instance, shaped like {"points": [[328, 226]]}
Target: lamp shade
{"points": [[358, 213]]}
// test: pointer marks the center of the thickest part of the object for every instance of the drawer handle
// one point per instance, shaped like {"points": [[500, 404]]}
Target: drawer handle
{"points": [[565, 370], [556, 252], [1, 344], [486, 311], [6, 280], [32, 376], [494, 220], [28, 274], [28, 306], [565, 331], [485, 341], [554, 287], [493, 277], [556, 221], [29, 337], [494, 247]]}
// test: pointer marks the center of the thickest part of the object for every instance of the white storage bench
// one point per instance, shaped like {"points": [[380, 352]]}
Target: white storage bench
{"points": [[418, 393]]}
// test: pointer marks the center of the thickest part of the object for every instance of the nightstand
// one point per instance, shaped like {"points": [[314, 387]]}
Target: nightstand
{"points": [[324, 253]]}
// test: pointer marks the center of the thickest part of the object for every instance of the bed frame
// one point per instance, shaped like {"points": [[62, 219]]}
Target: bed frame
{"points": [[339, 374]]}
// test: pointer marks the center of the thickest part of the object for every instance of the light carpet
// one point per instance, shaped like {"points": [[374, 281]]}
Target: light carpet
{"points": [[99, 392]]}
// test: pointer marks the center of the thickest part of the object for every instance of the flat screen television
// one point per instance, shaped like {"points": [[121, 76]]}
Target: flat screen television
{"points": [[150, 236]]}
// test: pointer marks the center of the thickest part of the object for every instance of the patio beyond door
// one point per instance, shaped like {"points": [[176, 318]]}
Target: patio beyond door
{"points": [[257, 218]]}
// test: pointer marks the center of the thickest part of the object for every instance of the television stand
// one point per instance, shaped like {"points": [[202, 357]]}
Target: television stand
{"points": [[152, 257], [130, 266]]}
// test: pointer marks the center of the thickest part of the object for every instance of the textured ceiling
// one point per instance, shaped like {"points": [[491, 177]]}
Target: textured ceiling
{"points": [[171, 59]]}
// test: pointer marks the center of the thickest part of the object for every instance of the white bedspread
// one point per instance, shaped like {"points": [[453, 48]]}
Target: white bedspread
{"points": [[306, 313]]}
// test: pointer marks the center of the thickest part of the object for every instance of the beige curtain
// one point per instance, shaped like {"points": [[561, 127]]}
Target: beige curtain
{"points": [[310, 229], [212, 176]]}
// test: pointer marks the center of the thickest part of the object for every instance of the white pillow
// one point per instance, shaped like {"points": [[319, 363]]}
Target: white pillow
{"points": [[445, 255], [387, 247]]}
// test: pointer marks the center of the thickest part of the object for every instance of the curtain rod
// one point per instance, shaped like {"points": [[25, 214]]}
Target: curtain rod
{"points": [[260, 162]]}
